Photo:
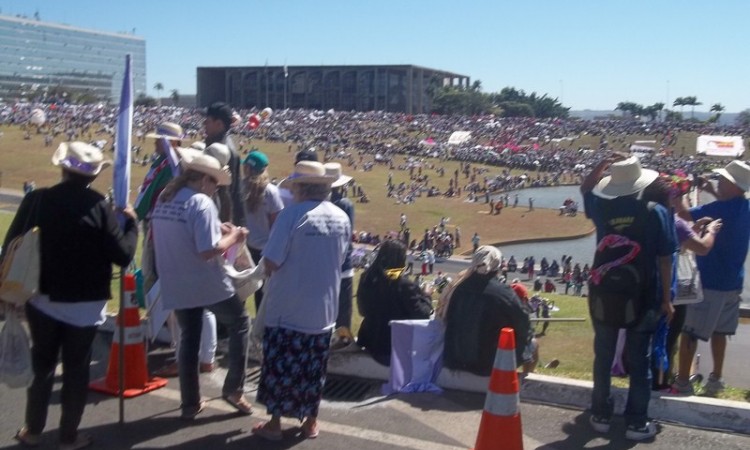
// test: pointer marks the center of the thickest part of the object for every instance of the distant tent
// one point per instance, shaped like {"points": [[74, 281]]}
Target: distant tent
{"points": [[459, 137]]}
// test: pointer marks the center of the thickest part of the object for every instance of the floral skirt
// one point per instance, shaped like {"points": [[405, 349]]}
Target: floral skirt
{"points": [[293, 372]]}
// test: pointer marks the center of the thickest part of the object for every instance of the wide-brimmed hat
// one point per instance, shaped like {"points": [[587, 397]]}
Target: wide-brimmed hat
{"points": [[333, 169], [207, 164], [307, 172], [198, 145], [738, 173], [80, 157], [220, 152], [168, 130], [628, 177]]}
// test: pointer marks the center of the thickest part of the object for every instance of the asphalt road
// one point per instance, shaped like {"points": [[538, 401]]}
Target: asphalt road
{"points": [[418, 421]]}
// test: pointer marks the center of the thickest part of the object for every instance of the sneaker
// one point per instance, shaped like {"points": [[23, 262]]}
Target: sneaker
{"points": [[682, 388], [712, 386], [599, 424], [647, 431]]}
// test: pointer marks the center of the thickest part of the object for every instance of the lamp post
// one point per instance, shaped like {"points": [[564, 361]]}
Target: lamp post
{"points": [[286, 75]]}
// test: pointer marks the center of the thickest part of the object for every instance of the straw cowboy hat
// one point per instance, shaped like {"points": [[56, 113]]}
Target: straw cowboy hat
{"points": [[333, 169], [80, 157], [207, 164], [198, 145], [628, 177], [220, 152], [307, 172], [168, 130], [738, 173]]}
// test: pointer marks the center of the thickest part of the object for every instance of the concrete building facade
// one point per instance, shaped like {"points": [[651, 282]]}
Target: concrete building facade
{"points": [[38, 57], [396, 88]]}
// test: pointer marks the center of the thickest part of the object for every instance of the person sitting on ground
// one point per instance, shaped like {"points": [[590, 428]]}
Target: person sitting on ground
{"points": [[549, 286], [386, 294], [475, 308], [538, 284]]}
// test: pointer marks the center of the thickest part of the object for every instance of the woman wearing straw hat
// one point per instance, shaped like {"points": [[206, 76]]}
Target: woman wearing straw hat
{"points": [[80, 240], [262, 205], [303, 257], [189, 241]]}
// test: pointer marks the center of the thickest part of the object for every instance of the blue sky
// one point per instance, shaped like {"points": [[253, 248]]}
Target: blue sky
{"points": [[590, 54]]}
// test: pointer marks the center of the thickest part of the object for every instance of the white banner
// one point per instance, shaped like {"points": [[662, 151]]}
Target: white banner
{"points": [[730, 146], [459, 137]]}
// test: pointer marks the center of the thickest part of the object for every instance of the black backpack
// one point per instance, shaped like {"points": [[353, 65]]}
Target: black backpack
{"points": [[619, 285]]}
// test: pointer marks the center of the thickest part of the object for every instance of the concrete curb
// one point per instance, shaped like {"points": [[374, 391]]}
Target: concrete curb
{"points": [[693, 411]]}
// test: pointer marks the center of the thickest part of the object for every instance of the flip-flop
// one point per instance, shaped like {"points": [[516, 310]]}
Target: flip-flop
{"points": [[310, 434], [191, 412], [27, 439], [241, 404], [82, 441], [261, 430]]}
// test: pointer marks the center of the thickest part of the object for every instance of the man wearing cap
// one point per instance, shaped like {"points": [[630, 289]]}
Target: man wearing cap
{"points": [[722, 273], [615, 199], [219, 117]]}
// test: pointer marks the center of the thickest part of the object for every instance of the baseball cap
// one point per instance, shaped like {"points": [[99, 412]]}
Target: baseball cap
{"points": [[220, 111], [257, 160]]}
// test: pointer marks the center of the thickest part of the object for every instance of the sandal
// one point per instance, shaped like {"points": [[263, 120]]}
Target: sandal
{"points": [[240, 403], [82, 441], [262, 430], [189, 412], [27, 439]]}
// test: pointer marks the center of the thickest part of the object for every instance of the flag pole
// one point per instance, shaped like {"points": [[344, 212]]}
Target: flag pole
{"points": [[121, 190]]}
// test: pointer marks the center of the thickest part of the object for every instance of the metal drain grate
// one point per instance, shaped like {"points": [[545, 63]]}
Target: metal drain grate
{"points": [[338, 388]]}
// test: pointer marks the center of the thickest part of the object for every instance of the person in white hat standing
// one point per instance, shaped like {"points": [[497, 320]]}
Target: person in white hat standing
{"points": [[722, 274], [614, 203], [80, 241]]}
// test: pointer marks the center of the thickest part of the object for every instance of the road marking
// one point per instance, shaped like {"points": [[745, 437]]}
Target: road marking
{"points": [[331, 427]]}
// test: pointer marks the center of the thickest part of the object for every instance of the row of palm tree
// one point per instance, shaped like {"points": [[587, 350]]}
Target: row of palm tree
{"points": [[174, 95], [653, 111]]}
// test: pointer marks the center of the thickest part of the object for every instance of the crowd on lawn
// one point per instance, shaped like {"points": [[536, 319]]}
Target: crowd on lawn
{"points": [[218, 200]]}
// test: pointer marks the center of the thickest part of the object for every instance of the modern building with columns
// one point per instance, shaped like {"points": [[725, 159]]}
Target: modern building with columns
{"points": [[397, 88]]}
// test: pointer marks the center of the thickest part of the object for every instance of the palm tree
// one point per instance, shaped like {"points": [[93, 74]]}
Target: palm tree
{"points": [[175, 96], [680, 101], [718, 108], [692, 101], [159, 87], [657, 108]]}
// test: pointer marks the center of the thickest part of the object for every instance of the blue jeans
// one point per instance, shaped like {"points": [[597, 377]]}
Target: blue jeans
{"points": [[638, 354], [231, 313]]}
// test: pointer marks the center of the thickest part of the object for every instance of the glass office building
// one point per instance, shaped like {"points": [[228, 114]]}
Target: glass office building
{"points": [[41, 60]]}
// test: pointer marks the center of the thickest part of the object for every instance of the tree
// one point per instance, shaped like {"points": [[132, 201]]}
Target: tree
{"points": [[175, 96], [672, 116], [145, 100], [743, 118], [693, 102], [631, 108], [159, 87], [476, 86], [516, 109], [718, 108], [679, 101]]}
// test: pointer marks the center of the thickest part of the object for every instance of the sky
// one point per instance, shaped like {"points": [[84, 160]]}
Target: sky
{"points": [[590, 54]]}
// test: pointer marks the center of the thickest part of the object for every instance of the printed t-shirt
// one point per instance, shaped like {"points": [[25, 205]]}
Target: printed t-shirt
{"points": [[182, 229]]}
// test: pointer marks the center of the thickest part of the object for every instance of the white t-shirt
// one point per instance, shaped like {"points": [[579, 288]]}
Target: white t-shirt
{"points": [[182, 229], [257, 222], [308, 242]]}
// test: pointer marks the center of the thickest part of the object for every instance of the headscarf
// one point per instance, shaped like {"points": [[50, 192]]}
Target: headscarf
{"points": [[485, 260]]}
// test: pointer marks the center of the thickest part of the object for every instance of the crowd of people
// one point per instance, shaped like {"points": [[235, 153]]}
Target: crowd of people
{"points": [[218, 197]]}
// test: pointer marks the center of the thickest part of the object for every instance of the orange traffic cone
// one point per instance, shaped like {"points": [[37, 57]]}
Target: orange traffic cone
{"points": [[500, 427], [135, 378]]}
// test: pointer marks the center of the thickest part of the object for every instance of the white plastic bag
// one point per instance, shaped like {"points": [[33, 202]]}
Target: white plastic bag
{"points": [[246, 276], [688, 281], [15, 352], [19, 272]]}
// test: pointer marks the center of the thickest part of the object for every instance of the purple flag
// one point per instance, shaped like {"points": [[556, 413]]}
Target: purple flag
{"points": [[121, 172]]}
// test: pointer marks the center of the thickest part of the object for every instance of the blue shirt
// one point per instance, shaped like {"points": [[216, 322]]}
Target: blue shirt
{"points": [[722, 269], [660, 238]]}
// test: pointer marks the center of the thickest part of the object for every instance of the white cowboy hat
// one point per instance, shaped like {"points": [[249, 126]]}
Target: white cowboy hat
{"points": [[198, 145], [738, 173], [168, 130], [220, 152], [308, 172], [205, 164], [333, 169], [80, 157], [628, 177]]}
